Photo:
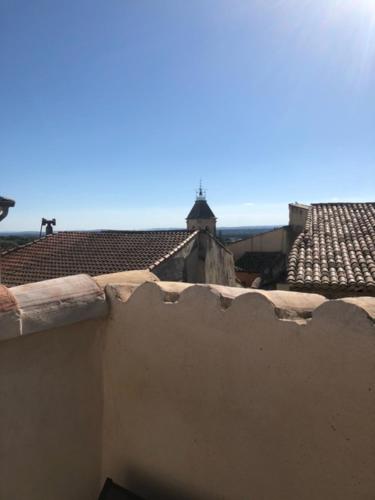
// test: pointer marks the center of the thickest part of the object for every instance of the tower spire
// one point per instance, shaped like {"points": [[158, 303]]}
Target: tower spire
{"points": [[201, 193], [201, 216]]}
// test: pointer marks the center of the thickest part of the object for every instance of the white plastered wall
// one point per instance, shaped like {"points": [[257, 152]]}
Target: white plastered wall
{"points": [[271, 241], [187, 392], [215, 393]]}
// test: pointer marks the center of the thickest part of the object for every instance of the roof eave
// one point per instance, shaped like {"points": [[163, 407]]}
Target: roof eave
{"points": [[173, 252]]}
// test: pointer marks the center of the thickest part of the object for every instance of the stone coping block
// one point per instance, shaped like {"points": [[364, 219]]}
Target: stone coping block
{"points": [[9, 315], [135, 277], [57, 302]]}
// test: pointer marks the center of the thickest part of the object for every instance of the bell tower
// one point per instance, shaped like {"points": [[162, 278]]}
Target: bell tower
{"points": [[201, 216]]}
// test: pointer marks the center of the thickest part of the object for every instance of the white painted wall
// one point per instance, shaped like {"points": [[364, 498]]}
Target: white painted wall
{"points": [[191, 392]]}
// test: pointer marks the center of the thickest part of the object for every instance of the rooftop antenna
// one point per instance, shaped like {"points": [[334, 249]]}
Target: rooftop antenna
{"points": [[48, 224]]}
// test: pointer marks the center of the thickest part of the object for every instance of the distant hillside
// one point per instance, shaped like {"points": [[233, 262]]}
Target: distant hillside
{"points": [[10, 241], [225, 234], [20, 234]]}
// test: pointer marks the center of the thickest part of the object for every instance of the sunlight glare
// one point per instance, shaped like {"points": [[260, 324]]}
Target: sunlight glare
{"points": [[352, 7], [368, 5]]}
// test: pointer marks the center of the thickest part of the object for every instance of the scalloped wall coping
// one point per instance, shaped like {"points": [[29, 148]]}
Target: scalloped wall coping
{"points": [[286, 305], [239, 385], [267, 382], [49, 304], [296, 307], [136, 277]]}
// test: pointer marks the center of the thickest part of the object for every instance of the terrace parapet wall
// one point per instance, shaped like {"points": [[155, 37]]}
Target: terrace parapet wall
{"points": [[184, 391]]}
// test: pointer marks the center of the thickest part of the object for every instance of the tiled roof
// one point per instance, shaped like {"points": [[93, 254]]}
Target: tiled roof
{"points": [[337, 248], [94, 253], [201, 210]]}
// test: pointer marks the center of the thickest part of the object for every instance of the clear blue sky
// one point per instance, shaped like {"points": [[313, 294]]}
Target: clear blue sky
{"points": [[111, 111]]}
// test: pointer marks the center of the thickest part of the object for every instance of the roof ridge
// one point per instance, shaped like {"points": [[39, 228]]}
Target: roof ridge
{"points": [[344, 203], [127, 231], [217, 240], [144, 231]]}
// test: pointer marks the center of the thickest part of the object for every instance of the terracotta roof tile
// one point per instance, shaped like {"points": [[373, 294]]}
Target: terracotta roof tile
{"points": [[94, 253], [337, 248]]}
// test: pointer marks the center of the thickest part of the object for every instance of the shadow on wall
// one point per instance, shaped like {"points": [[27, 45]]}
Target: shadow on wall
{"points": [[152, 487]]}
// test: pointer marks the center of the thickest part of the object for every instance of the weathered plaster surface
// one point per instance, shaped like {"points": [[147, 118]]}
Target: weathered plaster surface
{"points": [[203, 260], [125, 277], [177, 268], [276, 240], [10, 324], [225, 393], [223, 274], [51, 401], [59, 301], [298, 216], [203, 224], [194, 392]]}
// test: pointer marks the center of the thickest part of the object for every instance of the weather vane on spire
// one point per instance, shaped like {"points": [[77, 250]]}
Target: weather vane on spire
{"points": [[201, 193]]}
